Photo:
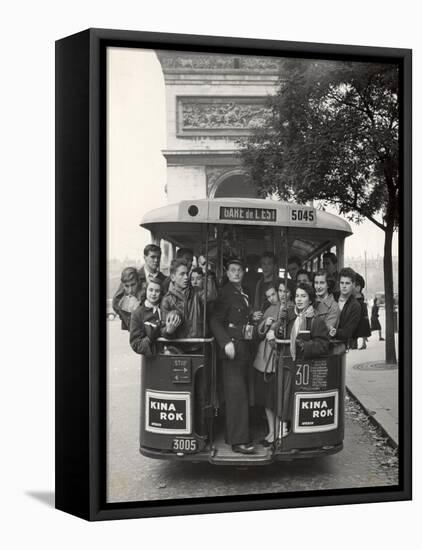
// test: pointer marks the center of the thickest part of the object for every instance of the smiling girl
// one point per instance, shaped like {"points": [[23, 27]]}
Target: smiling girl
{"points": [[146, 323]]}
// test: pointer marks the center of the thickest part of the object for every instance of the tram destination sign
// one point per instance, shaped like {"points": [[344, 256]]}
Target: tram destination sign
{"points": [[316, 412], [248, 214], [167, 412]]}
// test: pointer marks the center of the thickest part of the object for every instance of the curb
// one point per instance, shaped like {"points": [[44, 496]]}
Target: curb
{"points": [[373, 420]]}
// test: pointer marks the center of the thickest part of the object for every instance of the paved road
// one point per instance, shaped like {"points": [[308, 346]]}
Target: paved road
{"points": [[364, 462]]}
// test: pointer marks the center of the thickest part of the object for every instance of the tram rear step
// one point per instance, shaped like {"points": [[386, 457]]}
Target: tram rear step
{"points": [[224, 455]]}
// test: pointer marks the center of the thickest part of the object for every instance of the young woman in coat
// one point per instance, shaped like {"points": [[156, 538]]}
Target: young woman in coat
{"points": [[145, 323], [264, 391], [309, 339]]}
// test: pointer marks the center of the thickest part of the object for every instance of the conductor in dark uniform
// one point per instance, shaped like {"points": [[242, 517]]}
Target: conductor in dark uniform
{"points": [[229, 324]]}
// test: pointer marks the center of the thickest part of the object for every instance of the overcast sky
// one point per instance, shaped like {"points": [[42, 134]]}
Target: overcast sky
{"points": [[136, 167]]}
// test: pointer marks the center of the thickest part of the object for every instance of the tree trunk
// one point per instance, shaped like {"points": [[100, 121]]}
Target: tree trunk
{"points": [[390, 346]]}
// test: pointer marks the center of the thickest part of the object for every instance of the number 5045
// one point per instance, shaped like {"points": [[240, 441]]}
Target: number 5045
{"points": [[302, 215]]}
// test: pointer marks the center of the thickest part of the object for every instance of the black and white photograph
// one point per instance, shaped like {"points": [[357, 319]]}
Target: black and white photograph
{"points": [[211, 299], [253, 304]]}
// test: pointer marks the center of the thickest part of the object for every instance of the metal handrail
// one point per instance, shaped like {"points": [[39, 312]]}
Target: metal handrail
{"points": [[186, 340], [280, 341]]}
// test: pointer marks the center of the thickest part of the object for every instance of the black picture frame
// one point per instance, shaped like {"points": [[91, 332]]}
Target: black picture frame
{"points": [[81, 273]]}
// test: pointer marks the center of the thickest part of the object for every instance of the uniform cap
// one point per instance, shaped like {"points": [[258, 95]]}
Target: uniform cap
{"points": [[234, 260]]}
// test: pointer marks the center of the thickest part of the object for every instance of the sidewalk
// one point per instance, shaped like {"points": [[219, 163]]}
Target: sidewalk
{"points": [[374, 385]]}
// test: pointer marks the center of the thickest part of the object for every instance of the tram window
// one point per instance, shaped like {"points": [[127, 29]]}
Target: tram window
{"points": [[166, 256]]}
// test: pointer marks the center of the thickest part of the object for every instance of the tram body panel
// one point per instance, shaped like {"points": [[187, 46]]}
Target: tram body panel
{"points": [[169, 414], [170, 427], [316, 403], [175, 402]]}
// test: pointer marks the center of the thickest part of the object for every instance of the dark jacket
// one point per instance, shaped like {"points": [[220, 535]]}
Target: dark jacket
{"points": [[190, 306], [140, 292], [349, 319], [363, 330], [249, 282], [319, 342], [145, 327], [230, 314]]}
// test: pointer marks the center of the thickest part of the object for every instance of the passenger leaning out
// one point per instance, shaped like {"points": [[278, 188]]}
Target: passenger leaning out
{"points": [[150, 269], [129, 297]]}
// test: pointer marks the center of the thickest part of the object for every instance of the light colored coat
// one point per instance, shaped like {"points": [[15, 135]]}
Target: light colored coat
{"points": [[328, 310], [264, 354]]}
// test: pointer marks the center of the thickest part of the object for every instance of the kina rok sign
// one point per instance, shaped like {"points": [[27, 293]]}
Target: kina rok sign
{"points": [[316, 412], [168, 412]]}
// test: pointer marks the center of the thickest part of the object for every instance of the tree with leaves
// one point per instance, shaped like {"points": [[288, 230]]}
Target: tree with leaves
{"points": [[332, 135]]}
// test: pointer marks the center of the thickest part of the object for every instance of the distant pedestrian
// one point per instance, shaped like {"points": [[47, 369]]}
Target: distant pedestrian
{"points": [[363, 329], [375, 324]]}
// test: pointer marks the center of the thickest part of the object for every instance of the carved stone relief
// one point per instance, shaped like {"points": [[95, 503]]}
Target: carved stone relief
{"points": [[220, 115], [191, 61]]}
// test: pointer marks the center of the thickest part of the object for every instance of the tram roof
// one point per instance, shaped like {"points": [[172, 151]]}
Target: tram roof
{"points": [[259, 212]]}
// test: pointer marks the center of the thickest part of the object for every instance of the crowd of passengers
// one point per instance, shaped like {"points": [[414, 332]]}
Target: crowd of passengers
{"points": [[316, 313]]}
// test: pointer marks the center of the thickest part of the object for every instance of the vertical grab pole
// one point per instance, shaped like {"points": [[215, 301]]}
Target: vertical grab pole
{"points": [[204, 331], [276, 355], [286, 259], [204, 321], [280, 358]]}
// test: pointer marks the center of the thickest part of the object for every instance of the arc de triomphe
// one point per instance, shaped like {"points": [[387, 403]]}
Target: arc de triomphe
{"points": [[212, 101]]}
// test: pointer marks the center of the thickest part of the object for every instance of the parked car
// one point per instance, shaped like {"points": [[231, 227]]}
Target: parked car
{"points": [[111, 315]]}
